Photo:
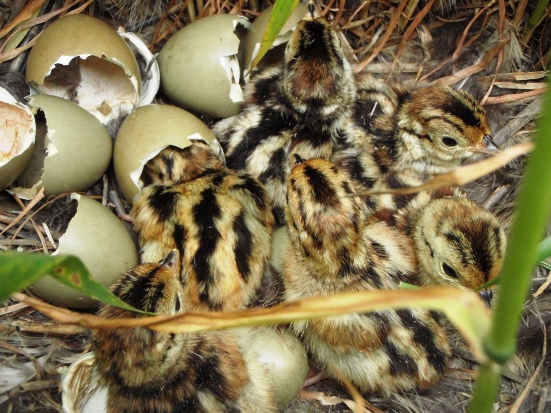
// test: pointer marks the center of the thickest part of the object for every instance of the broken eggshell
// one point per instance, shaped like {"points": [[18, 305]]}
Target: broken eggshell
{"points": [[17, 136], [101, 241], [72, 150], [200, 67], [83, 59], [254, 38], [144, 133]]}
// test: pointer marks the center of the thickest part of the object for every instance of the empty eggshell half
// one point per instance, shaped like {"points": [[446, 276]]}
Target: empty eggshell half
{"points": [[200, 66], [16, 138], [83, 59], [256, 32], [72, 150], [144, 133], [103, 244]]}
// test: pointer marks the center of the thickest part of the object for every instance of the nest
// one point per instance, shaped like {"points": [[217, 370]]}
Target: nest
{"points": [[498, 51]]}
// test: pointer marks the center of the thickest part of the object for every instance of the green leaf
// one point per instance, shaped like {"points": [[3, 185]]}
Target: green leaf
{"points": [[21, 269], [280, 14], [544, 249]]}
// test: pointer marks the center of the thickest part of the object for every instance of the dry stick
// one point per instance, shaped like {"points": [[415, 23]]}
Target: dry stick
{"points": [[19, 351], [462, 175], [460, 44], [26, 13], [519, 13], [471, 70], [415, 22], [26, 209], [15, 52], [518, 402], [496, 100], [339, 13], [390, 28]]}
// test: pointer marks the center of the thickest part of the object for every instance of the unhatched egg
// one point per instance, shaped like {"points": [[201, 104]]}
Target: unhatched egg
{"points": [[285, 360], [200, 66], [102, 242]]}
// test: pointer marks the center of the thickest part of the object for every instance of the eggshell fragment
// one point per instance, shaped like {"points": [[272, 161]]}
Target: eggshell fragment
{"points": [[200, 67], [147, 131], [83, 59], [101, 241], [72, 151], [17, 133]]}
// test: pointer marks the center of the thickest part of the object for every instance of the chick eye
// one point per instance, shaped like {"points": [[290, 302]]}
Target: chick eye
{"points": [[177, 305], [446, 140], [449, 270]]}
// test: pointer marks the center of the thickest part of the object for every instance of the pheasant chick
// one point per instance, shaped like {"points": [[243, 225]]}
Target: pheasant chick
{"points": [[149, 371], [331, 250], [219, 220]]}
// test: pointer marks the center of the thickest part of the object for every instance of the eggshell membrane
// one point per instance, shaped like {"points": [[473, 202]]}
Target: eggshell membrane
{"points": [[103, 244], [199, 64], [144, 133], [73, 155], [256, 32], [17, 136], [284, 358], [104, 76]]}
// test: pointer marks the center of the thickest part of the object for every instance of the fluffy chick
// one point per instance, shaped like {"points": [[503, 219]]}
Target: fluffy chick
{"points": [[303, 106], [149, 371], [219, 220], [331, 250], [457, 241], [427, 131]]}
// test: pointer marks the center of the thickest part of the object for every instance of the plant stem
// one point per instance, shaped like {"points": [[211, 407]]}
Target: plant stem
{"points": [[531, 215], [486, 387], [537, 14]]}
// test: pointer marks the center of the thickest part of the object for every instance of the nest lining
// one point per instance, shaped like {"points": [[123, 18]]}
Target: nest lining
{"points": [[489, 49]]}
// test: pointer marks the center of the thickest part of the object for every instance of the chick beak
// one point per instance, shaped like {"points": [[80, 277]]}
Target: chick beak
{"points": [[171, 259], [312, 10], [298, 159], [488, 146], [487, 296]]}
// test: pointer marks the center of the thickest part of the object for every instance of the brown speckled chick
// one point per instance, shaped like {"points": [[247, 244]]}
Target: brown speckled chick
{"points": [[219, 220], [149, 371], [332, 251], [430, 130], [302, 107], [457, 241]]}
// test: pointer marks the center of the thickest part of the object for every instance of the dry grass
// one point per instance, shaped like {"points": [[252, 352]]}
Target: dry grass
{"points": [[487, 48]]}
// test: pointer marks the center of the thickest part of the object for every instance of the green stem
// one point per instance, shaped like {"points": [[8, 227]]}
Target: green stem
{"points": [[537, 14], [531, 215], [486, 388]]}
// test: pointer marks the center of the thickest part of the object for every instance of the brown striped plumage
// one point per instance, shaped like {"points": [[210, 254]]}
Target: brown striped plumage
{"points": [[219, 220], [332, 250], [302, 107], [149, 371], [457, 242], [430, 130]]}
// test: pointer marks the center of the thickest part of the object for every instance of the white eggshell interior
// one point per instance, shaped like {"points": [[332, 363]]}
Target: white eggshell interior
{"points": [[17, 136]]}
